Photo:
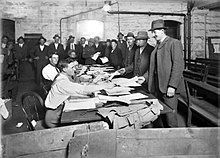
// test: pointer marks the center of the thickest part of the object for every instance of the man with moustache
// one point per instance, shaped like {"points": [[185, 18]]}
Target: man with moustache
{"points": [[166, 70], [141, 63]]}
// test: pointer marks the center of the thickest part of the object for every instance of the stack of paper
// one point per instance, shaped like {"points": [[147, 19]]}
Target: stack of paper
{"points": [[119, 91], [77, 104]]}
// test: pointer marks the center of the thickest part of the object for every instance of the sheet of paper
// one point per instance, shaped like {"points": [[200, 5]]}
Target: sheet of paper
{"points": [[104, 99], [95, 56], [116, 73], [126, 82], [104, 60], [134, 96], [118, 90], [71, 105]]}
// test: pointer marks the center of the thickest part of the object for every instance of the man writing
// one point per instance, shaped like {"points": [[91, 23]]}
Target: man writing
{"points": [[63, 88], [166, 69]]}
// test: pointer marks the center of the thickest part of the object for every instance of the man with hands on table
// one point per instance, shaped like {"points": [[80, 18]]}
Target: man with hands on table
{"points": [[63, 88], [140, 65]]}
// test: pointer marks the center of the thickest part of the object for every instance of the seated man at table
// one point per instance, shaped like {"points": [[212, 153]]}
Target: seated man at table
{"points": [[63, 88], [50, 71]]}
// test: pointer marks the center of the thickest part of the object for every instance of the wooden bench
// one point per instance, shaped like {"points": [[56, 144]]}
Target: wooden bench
{"points": [[203, 107]]}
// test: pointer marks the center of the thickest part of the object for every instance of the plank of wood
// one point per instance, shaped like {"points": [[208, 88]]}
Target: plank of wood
{"points": [[148, 142], [49, 154], [204, 85], [101, 144], [28, 143], [204, 108]]}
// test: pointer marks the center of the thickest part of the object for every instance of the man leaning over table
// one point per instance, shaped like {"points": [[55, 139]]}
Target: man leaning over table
{"points": [[63, 88]]}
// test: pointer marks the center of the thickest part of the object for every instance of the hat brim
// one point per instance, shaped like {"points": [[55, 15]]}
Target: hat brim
{"points": [[141, 38], [157, 28]]}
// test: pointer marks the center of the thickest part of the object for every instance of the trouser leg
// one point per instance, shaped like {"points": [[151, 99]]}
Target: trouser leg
{"points": [[171, 118], [52, 117]]}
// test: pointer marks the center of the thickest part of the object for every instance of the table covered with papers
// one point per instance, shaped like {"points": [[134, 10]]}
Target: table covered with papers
{"points": [[127, 104]]}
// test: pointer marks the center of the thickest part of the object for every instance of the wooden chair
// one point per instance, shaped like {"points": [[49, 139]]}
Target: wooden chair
{"points": [[33, 108]]}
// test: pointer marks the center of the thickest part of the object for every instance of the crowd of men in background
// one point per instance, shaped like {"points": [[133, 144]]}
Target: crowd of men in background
{"points": [[17, 57], [159, 69]]}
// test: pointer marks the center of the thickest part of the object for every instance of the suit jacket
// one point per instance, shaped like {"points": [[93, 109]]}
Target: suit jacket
{"points": [[122, 45], [115, 58], [43, 56], [78, 50], [87, 53], [100, 48], [21, 53], [59, 50], [169, 67], [129, 55], [141, 62]]}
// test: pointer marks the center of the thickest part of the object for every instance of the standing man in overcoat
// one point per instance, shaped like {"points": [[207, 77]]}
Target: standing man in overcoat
{"points": [[166, 70]]}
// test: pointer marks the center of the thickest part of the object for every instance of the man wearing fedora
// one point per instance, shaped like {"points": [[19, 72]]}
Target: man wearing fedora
{"points": [[141, 63], [166, 70], [57, 47]]}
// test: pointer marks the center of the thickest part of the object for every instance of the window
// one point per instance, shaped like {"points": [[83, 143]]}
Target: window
{"points": [[90, 28]]}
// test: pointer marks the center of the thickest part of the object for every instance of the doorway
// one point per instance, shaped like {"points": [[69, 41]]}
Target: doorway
{"points": [[173, 28], [8, 28]]}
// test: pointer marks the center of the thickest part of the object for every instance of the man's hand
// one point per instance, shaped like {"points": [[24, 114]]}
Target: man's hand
{"points": [[170, 91], [121, 71], [141, 79]]}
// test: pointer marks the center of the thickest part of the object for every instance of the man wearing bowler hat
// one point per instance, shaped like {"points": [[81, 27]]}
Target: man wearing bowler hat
{"points": [[141, 63], [129, 51], [166, 70]]}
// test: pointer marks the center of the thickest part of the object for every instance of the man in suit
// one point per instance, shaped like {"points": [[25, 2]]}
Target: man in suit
{"points": [[141, 63], [166, 70], [81, 46], [22, 55], [129, 52], [122, 44], [99, 47], [57, 47], [40, 56]]}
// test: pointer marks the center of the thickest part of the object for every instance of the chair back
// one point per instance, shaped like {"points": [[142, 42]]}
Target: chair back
{"points": [[33, 107]]}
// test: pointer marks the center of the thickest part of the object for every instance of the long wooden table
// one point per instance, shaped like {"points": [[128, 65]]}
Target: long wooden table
{"points": [[91, 115]]}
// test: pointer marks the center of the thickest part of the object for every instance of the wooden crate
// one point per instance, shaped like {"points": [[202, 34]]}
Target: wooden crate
{"points": [[148, 143], [48, 143]]}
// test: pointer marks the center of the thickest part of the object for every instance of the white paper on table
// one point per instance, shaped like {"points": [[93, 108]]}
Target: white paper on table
{"points": [[104, 60], [95, 56], [134, 96], [116, 73], [104, 99], [119, 90], [80, 104], [126, 82]]}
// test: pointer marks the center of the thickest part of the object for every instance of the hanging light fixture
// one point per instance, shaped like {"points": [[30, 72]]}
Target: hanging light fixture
{"points": [[107, 6]]}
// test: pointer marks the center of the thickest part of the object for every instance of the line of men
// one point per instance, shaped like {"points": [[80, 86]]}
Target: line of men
{"points": [[159, 70]]}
